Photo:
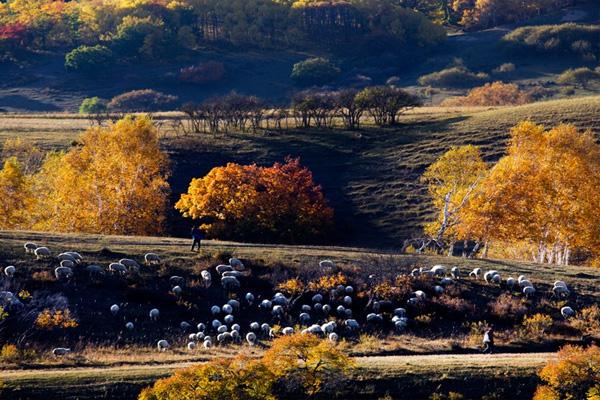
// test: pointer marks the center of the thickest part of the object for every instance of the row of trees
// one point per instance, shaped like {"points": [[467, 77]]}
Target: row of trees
{"points": [[541, 198], [350, 107], [151, 29]]}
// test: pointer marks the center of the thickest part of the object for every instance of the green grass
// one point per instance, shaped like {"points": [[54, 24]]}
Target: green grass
{"points": [[370, 177]]}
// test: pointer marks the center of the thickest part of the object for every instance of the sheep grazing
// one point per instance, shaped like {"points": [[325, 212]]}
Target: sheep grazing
{"points": [[234, 304], [266, 304], [329, 327], [94, 270], [30, 247], [489, 275], [304, 318], [162, 345], [352, 324], [277, 311], [201, 327], [496, 279], [216, 324], [476, 273], [525, 283], [455, 272], [446, 281], [560, 291], [152, 258], [117, 268], [249, 298], [132, 265], [567, 312], [280, 299], [265, 328], [200, 336], [42, 252], [438, 289], [66, 257], [236, 327], [237, 264], [510, 282], [415, 273], [400, 323], [254, 326], [206, 278], [438, 270], [154, 314], [317, 298], [10, 271], [230, 283], [60, 351], [560, 283], [67, 264], [78, 257], [177, 291], [236, 274], [215, 310], [372, 317], [528, 291], [251, 338], [314, 329], [114, 309], [349, 289], [63, 273], [191, 346], [184, 325], [521, 278], [326, 309], [333, 337], [207, 343], [227, 309], [399, 312], [306, 308], [327, 264], [420, 295], [129, 326], [288, 330], [222, 268], [348, 300], [228, 319]]}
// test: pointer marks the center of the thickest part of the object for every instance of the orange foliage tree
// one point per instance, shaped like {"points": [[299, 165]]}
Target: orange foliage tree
{"points": [[278, 203], [575, 374], [491, 94], [113, 182], [16, 197]]}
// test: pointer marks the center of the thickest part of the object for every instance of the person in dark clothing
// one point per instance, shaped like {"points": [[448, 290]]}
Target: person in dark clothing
{"points": [[196, 237], [488, 340]]}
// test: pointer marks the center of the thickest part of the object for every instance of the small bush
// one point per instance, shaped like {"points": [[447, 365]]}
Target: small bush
{"points": [[314, 71], [208, 72], [535, 326], [92, 105], [51, 319], [454, 77], [573, 375], [587, 321], [491, 94], [146, 100], [89, 59], [9, 353], [579, 76], [508, 308]]}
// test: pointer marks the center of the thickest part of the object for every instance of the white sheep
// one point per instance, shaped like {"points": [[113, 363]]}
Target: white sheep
{"points": [[30, 247], [254, 326], [446, 281], [521, 278], [216, 324], [280, 299], [266, 304], [333, 337], [567, 312], [230, 283], [489, 275], [63, 273], [184, 325], [326, 309], [476, 273], [510, 282], [10, 271], [525, 283], [438, 270], [177, 291], [78, 257], [329, 327], [304, 318], [400, 312], [528, 291], [95, 270], [400, 324], [228, 319], [61, 351], [114, 309], [236, 327], [455, 272], [67, 264], [348, 300], [237, 264], [42, 252], [129, 326], [560, 283], [66, 257], [341, 310], [200, 336], [191, 346], [222, 268], [352, 324], [326, 264], [215, 310], [251, 338], [420, 295], [318, 307], [288, 330], [559, 291], [236, 274], [227, 309], [496, 279], [317, 298], [154, 314], [306, 308], [265, 328], [206, 278], [315, 329], [201, 327], [132, 265], [207, 343], [277, 310], [349, 290], [162, 345], [152, 258], [372, 317], [438, 289], [249, 298], [348, 313]]}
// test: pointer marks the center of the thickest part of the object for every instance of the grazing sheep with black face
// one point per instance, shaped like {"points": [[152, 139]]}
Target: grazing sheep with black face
{"points": [[230, 283], [63, 273], [129, 326], [222, 268], [154, 314], [114, 309], [162, 345], [251, 338], [10, 271], [61, 351], [152, 258], [30, 247], [67, 263], [117, 268], [131, 265], [455, 272], [476, 273], [42, 252], [567, 312], [237, 264]]}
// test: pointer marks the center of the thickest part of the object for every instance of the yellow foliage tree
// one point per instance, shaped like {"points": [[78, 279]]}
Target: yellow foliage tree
{"points": [[574, 375], [113, 182], [451, 181], [543, 193], [15, 196]]}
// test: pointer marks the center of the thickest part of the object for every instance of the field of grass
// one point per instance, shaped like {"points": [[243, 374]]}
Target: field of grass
{"points": [[370, 176]]}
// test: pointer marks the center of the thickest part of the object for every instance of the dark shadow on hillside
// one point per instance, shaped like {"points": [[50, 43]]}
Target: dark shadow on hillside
{"points": [[25, 103]]}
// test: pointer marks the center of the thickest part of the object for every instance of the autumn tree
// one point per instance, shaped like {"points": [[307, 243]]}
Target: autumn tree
{"points": [[16, 197], [278, 203], [113, 182], [491, 94], [451, 181], [575, 374], [542, 194], [385, 103]]}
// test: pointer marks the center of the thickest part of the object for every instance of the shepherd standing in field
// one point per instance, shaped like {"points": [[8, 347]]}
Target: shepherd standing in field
{"points": [[196, 237]]}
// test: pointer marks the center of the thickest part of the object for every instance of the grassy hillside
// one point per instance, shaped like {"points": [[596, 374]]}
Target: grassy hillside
{"points": [[370, 177]]}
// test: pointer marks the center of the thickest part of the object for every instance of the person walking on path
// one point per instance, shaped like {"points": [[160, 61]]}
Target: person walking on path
{"points": [[196, 237], [488, 340]]}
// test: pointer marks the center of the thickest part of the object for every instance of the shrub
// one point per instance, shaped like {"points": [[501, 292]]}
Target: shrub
{"points": [[587, 321], [491, 94], [207, 72], [146, 100], [9, 353], [278, 203], [453, 77], [579, 76], [51, 319], [573, 375], [576, 39], [92, 105], [384, 103], [314, 71], [507, 307], [89, 59], [535, 326]]}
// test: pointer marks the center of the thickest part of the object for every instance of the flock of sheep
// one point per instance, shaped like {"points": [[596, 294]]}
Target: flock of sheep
{"points": [[327, 314]]}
